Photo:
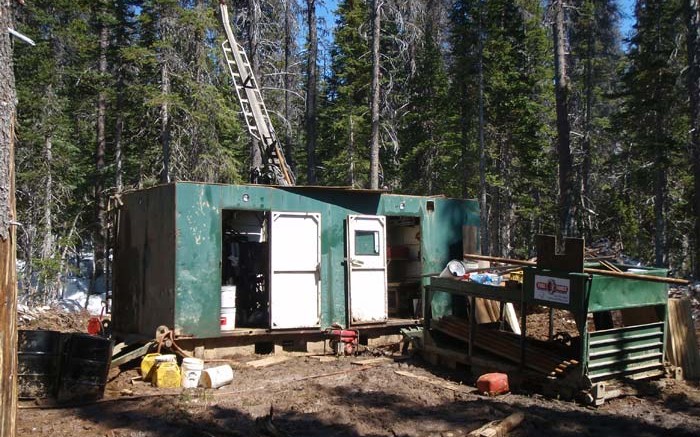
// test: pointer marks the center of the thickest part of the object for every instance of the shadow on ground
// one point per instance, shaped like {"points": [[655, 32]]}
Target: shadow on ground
{"points": [[355, 410]]}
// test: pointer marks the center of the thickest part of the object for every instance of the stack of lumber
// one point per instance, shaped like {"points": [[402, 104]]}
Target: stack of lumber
{"points": [[682, 343], [545, 360]]}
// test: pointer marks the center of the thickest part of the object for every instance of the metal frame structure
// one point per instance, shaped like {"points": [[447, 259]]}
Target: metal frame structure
{"points": [[634, 351]]}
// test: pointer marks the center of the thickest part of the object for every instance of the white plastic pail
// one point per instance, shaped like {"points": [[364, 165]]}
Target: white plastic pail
{"points": [[454, 269], [228, 296], [228, 307], [219, 376], [228, 319], [191, 370]]}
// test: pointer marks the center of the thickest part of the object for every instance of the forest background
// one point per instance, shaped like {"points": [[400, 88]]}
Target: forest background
{"points": [[547, 112]]}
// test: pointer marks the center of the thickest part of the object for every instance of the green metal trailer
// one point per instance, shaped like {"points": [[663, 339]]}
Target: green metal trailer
{"points": [[300, 258]]}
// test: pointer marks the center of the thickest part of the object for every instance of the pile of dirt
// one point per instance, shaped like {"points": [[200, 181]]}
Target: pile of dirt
{"points": [[538, 323]]}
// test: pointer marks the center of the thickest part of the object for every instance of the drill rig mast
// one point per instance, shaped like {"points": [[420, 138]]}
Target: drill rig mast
{"points": [[275, 169]]}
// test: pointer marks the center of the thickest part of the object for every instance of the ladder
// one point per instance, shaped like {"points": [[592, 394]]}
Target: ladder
{"points": [[253, 108]]}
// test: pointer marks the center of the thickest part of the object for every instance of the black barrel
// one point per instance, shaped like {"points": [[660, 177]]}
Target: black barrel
{"points": [[84, 368], [38, 358]]}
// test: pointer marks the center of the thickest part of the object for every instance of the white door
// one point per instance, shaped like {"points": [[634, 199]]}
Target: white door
{"points": [[366, 261], [295, 270]]}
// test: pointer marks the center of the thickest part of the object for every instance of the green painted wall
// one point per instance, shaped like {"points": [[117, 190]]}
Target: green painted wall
{"points": [[197, 255], [144, 270]]}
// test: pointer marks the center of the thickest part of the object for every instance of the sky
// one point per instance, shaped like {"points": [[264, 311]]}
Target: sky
{"points": [[326, 16], [327, 12], [627, 19]]}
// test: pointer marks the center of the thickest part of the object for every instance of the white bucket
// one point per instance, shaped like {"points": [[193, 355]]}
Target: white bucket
{"points": [[219, 376], [191, 370], [228, 319], [228, 307], [454, 269], [228, 296]]}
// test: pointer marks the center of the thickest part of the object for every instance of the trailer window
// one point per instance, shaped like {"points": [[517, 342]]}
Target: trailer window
{"points": [[366, 243]]}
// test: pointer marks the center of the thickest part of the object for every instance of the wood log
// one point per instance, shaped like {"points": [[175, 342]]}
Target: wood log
{"points": [[499, 428]]}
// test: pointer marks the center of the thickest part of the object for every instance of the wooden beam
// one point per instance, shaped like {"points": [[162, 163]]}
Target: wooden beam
{"points": [[625, 275]]}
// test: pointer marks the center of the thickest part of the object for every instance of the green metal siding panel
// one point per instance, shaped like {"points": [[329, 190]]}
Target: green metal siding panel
{"points": [[625, 351], [144, 290], [608, 293], [197, 261]]}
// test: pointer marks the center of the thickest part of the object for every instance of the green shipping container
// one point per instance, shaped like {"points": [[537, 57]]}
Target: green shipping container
{"points": [[298, 258]]}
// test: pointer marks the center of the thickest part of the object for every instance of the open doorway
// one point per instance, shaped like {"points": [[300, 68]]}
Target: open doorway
{"points": [[404, 267], [244, 264]]}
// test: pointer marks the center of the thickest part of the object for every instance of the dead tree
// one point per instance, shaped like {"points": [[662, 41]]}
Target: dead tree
{"points": [[8, 282], [374, 105], [311, 116], [566, 183], [692, 8]]}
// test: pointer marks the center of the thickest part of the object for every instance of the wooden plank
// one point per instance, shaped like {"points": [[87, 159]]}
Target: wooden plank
{"points": [[683, 343], [512, 318], [136, 353], [269, 361], [372, 361], [325, 358]]}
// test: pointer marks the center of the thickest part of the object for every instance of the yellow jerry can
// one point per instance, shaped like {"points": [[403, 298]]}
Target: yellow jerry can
{"points": [[147, 366], [167, 373]]}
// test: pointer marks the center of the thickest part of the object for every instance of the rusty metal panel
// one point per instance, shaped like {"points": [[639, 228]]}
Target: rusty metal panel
{"points": [[144, 255]]}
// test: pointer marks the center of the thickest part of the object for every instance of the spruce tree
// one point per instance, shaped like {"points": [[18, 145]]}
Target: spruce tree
{"points": [[344, 116], [654, 119]]}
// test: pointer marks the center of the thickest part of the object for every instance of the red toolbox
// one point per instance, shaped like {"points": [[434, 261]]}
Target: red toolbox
{"points": [[493, 384]]}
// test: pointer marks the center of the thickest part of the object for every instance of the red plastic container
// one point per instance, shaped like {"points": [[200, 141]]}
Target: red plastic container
{"points": [[493, 384]]}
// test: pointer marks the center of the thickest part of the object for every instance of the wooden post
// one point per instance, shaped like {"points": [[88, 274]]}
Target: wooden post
{"points": [[8, 281]]}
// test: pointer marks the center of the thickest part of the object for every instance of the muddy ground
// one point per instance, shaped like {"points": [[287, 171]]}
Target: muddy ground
{"points": [[337, 398]]}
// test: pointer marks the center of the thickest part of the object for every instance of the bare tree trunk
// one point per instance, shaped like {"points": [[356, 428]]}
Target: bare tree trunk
{"points": [[692, 8], [8, 281], [256, 158], [660, 248], [47, 244], [483, 189], [119, 122], [351, 153], [588, 127], [118, 153], [165, 120], [374, 105], [288, 83], [311, 93], [99, 227], [566, 204]]}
